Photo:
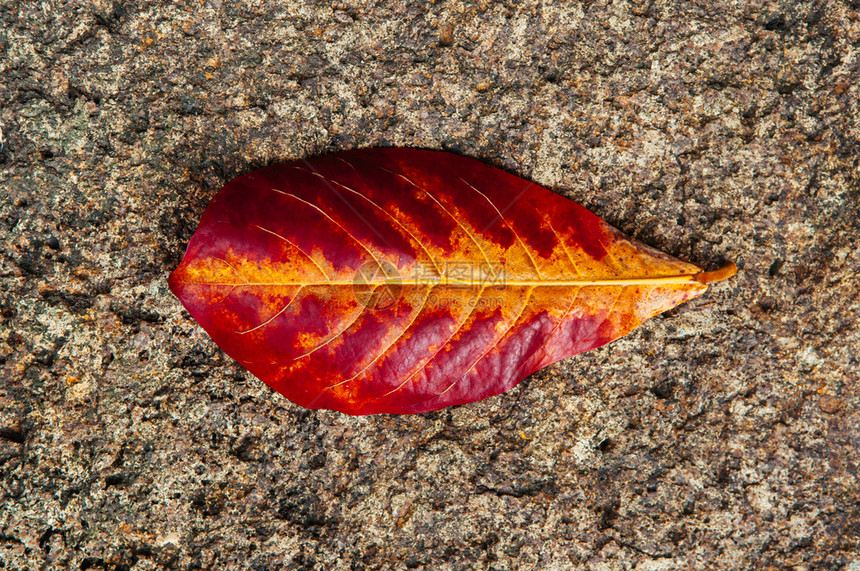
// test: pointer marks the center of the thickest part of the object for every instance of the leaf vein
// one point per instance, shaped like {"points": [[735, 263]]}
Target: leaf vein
{"points": [[422, 366], [339, 333], [451, 216], [494, 343], [398, 338], [564, 247], [336, 223], [414, 237], [283, 309], [232, 267], [308, 256], [511, 228]]}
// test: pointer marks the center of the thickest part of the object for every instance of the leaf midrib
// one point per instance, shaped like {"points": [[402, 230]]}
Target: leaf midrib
{"points": [[662, 280]]}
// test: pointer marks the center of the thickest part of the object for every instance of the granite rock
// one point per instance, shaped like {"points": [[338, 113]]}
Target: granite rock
{"points": [[723, 434]]}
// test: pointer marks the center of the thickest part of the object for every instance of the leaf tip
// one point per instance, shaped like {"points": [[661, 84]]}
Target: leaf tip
{"points": [[728, 270]]}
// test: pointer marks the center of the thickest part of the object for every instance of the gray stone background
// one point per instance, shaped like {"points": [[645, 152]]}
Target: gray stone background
{"points": [[723, 434]]}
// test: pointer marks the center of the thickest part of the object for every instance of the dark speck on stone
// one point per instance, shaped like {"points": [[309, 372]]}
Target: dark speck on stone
{"points": [[775, 23], [53, 243], [777, 264]]}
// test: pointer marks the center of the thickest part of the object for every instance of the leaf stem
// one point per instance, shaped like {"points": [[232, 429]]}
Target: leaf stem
{"points": [[724, 273]]}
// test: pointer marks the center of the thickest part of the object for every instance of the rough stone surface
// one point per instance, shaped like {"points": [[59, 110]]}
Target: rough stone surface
{"points": [[721, 435]]}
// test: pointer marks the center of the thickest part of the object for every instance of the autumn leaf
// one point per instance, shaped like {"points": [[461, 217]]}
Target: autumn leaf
{"points": [[406, 280]]}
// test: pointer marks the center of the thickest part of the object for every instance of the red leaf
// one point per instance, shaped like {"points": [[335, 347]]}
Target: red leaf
{"points": [[406, 280]]}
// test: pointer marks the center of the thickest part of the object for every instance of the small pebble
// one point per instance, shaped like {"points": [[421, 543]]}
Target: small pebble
{"points": [[53, 243], [829, 404]]}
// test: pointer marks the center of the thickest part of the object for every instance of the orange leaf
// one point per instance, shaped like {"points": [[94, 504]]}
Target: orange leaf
{"points": [[406, 280]]}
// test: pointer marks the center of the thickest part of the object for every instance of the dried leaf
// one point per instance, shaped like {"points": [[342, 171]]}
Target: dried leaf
{"points": [[406, 280]]}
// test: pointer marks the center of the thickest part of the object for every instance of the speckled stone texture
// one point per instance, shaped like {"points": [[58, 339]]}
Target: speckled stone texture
{"points": [[721, 435]]}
